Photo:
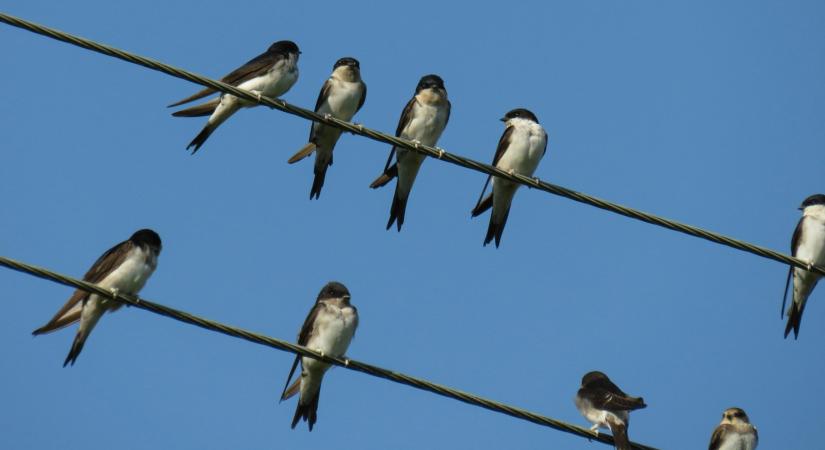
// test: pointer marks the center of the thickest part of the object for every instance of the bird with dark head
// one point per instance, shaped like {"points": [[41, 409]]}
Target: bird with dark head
{"points": [[423, 120], [328, 329], [807, 244], [734, 432], [519, 113], [520, 149], [431, 81], [606, 406], [124, 268], [270, 74], [341, 96]]}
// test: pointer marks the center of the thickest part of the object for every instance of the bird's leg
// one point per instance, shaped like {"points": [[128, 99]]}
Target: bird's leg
{"points": [[595, 428], [115, 293]]}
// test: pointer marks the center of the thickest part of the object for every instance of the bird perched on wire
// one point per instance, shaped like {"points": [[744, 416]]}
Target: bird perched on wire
{"points": [[124, 269], [734, 432], [807, 244], [606, 406], [521, 147], [423, 120], [342, 95], [328, 329], [270, 74]]}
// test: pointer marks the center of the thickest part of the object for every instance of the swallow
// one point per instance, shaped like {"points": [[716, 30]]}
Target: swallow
{"points": [[734, 432], [423, 120], [123, 269], [270, 74], [520, 148], [328, 329], [606, 406], [342, 95], [808, 244]]}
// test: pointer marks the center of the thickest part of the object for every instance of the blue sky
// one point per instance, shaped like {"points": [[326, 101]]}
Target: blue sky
{"points": [[706, 112]]}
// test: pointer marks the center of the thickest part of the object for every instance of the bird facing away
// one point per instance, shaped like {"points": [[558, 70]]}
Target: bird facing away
{"points": [[734, 432], [269, 74], [328, 329], [342, 95], [521, 147], [606, 406], [807, 244], [423, 120], [124, 268]]}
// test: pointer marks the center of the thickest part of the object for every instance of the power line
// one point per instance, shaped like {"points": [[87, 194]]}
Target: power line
{"points": [[357, 366], [434, 152]]}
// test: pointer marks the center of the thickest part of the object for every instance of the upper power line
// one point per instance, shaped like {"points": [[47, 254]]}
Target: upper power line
{"points": [[434, 152]]}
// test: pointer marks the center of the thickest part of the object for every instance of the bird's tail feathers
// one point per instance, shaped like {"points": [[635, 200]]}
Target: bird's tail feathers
{"points": [[318, 181], [398, 209], [77, 347], [794, 319], [620, 439], [200, 138], [307, 410], [496, 227]]}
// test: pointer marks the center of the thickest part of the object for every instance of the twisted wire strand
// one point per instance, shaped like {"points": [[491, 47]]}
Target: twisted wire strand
{"points": [[434, 152], [279, 344]]}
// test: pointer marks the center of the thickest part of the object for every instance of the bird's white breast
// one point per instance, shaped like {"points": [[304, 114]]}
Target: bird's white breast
{"points": [[342, 101], [428, 122], [811, 245], [739, 441], [333, 331], [276, 81], [527, 143], [132, 274], [599, 416], [590, 413]]}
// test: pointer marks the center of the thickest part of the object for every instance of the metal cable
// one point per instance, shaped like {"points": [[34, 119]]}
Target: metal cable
{"points": [[434, 152], [358, 366]]}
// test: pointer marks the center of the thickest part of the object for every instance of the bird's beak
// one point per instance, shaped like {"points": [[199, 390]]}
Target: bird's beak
{"points": [[346, 298], [503, 119]]}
